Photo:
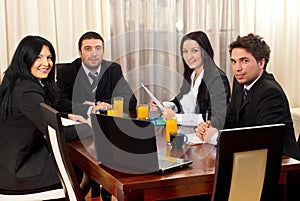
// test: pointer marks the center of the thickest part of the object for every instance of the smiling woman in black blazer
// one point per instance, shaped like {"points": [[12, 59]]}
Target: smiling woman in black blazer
{"points": [[28, 81]]}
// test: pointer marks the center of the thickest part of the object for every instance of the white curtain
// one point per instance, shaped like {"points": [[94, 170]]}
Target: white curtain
{"points": [[278, 23]]}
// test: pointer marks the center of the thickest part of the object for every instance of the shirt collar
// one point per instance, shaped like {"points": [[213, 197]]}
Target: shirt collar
{"points": [[250, 86], [86, 70]]}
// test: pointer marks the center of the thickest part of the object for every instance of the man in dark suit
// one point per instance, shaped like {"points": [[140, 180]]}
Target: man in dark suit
{"points": [[89, 83], [257, 98], [79, 93]]}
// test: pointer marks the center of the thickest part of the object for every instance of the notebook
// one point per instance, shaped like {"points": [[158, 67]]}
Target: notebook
{"points": [[129, 145]]}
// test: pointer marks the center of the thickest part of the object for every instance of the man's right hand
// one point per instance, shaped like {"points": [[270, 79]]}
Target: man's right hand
{"points": [[101, 106]]}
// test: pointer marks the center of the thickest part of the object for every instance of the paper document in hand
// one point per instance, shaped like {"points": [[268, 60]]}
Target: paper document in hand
{"points": [[159, 105], [189, 119]]}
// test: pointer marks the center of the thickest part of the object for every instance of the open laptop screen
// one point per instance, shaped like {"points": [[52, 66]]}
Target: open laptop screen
{"points": [[126, 145]]}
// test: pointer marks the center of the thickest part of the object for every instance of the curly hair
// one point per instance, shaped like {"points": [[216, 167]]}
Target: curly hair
{"points": [[253, 44]]}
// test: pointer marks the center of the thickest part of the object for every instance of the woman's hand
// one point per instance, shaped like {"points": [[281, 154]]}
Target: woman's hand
{"points": [[207, 133], [78, 118], [202, 129], [153, 106], [168, 113]]}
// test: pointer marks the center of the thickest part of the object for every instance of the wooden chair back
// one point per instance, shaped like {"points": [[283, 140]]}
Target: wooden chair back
{"points": [[59, 151], [248, 163]]}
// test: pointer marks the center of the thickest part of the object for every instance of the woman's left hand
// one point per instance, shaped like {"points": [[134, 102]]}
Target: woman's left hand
{"points": [[78, 118]]}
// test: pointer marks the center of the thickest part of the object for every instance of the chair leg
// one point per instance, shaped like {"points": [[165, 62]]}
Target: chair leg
{"points": [[95, 189], [105, 195]]}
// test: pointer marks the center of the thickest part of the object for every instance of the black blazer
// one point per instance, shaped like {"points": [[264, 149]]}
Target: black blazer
{"points": [[266, 103], [213, 96], [75, 87], [25, 161]]}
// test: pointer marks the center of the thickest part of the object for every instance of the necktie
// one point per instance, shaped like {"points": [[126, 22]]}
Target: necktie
{"points": [[245, 92], [94, 77]]}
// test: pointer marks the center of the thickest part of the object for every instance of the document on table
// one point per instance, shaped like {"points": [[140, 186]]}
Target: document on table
{"points": [[159, 105], [193, 139], [69, 122], [191, 135]]}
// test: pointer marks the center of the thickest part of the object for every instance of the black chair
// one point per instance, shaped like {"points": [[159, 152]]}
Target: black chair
{"points": [[248, 163], [59, 151]]}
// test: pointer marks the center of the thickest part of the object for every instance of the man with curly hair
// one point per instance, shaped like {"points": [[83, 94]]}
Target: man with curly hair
{"points": [[257, 98]]}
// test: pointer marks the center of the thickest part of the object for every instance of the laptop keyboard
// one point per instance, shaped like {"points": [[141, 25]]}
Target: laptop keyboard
{"points": [[167, 163]]}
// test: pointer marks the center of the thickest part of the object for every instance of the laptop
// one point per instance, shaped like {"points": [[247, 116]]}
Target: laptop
{"points": [[129, 145]]}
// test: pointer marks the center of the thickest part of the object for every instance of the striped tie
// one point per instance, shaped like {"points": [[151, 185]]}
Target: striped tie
{"points": [[94, 77], [245, 92]]}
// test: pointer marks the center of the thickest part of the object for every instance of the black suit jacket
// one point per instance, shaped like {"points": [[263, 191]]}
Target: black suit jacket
{"points": [[25, 161], [266, 103], [213, 96], [75, 87]]}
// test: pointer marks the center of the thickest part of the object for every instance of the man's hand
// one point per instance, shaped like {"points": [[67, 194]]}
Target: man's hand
{"points": [[101, 106]]}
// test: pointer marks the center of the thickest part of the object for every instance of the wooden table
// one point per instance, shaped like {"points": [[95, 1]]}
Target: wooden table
{"points": [[197, 179]]}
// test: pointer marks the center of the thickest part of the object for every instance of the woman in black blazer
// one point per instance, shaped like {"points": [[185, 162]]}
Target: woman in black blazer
{"points": [[205, 88], [25, 162]]}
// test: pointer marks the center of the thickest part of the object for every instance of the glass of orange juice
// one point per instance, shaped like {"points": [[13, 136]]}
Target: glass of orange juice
{"points": [[143, 111], [171, 127], [118, 105], [111, 111]]}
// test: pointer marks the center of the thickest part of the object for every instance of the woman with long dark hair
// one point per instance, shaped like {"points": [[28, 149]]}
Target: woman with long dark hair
{"points": [[205, 88], [29, 80]]}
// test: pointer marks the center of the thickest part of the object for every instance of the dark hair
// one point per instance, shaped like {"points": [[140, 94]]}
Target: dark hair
{"points": [[206, 49], [253, 44], [89, 35], [20, 69]]}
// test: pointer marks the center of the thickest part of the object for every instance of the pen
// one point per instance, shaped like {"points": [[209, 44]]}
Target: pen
{"points": [[206, 115]]}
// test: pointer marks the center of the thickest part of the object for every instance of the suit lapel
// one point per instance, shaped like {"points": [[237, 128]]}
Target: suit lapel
{"points": [[250, 95]]}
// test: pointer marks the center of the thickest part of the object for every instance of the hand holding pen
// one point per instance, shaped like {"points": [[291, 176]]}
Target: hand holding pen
{"points": [[203, 127]]}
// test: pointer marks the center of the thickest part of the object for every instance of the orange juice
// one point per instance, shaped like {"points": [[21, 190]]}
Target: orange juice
{"points": [[118, 106], [171, 127], [143, 111], [110, 112]]}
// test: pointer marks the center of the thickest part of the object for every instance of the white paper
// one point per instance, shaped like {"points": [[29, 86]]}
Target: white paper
{"points": [[159, 105], [189, 119], [69, 122], [191, 135], [193, 139]]}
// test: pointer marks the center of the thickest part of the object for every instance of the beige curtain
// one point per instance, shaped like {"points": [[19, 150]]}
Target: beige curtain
{"points": [[143, 36], [278, 22], [61, 22], [146, 39]]}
